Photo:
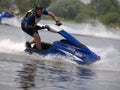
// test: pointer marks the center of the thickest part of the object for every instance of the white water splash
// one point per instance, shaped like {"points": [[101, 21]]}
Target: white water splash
{"points": [[109, 60], [12, 21], [97, 30], [9, 46]]}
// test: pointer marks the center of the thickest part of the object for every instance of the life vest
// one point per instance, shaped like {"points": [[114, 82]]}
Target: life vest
{"points": [[32, 12]]}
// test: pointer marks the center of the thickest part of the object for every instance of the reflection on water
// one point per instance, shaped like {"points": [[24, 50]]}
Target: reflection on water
{"points": [[19, 74], [27, 76], [85, 73], [52, 76]]}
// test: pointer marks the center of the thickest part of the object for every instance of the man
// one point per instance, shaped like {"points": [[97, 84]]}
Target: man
{"points": [[29, 24]]}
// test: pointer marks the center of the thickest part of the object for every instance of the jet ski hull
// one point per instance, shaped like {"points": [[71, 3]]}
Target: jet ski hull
{"points": [[81, 55]]}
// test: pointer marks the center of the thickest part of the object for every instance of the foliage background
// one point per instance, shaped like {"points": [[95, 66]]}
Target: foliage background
{"points": [[106, 11]]}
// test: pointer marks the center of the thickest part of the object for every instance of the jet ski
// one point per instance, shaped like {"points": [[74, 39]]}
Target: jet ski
{"points": [[69, 47], [6, 15]]}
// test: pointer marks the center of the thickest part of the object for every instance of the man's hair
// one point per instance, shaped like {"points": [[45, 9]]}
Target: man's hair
{"points": [[38, 6]]}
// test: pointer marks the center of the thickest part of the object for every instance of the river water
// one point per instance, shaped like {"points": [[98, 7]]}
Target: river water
{"points": [[19, 71]]}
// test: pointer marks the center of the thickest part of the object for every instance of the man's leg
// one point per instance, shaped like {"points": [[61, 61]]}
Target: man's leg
{"points": [[37, 40]]}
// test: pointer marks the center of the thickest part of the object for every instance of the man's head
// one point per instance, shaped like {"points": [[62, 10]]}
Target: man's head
{"points": [[39, 8]]}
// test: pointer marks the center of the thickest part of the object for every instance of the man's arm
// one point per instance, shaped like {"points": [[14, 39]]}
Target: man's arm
{"points": [[54, 18]]}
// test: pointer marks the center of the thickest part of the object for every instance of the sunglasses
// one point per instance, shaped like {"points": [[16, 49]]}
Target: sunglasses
{"points": [[39, 9]]}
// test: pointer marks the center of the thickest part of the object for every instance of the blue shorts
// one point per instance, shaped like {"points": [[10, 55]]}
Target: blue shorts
{"points": [[29, 31]]}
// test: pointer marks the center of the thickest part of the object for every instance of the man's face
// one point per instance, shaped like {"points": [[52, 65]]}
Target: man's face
{"points": [[39, 11]]}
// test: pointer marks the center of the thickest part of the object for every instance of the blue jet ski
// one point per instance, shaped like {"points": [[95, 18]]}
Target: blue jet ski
{"points": [[68, 47], [6, 15]]}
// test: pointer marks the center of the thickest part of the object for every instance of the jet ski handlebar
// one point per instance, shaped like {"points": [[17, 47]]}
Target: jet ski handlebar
{"points": [[52, 28]]}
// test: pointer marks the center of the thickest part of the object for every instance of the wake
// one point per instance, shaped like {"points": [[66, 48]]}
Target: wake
{"points": [[99, 31], [86, 29], [109, 56], [9, 46]]}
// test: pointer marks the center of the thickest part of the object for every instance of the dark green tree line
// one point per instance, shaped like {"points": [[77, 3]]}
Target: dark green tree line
{"points": [[106, 11]]}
